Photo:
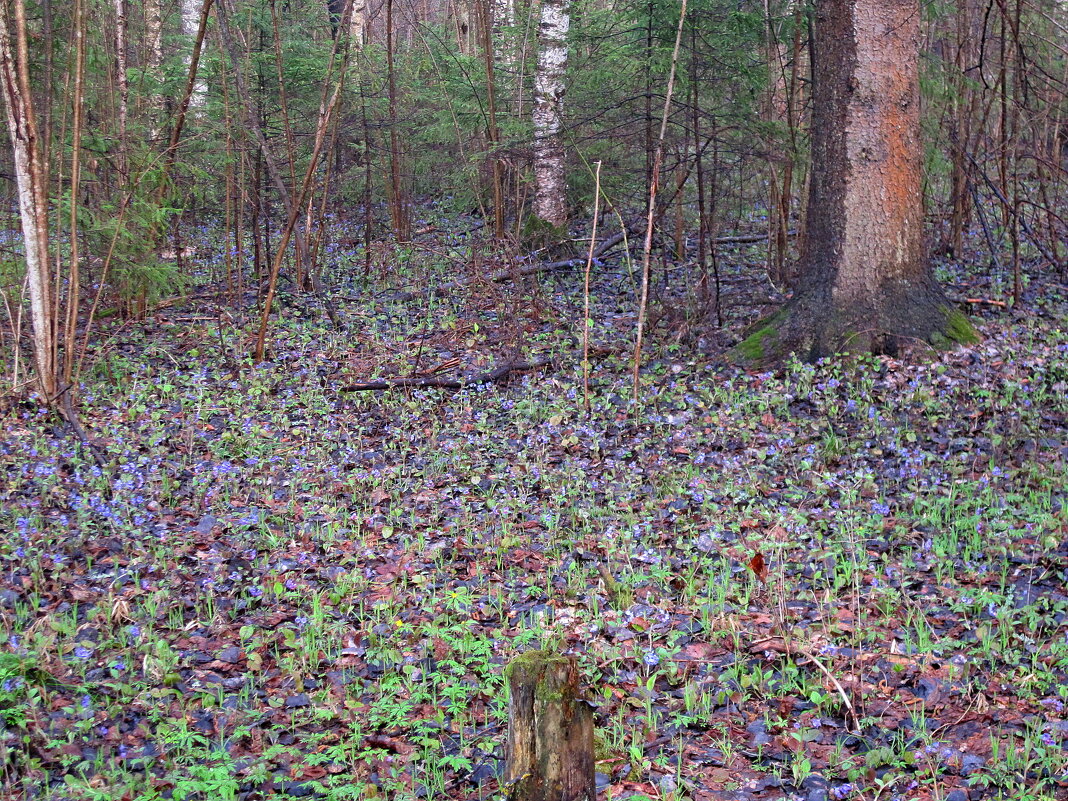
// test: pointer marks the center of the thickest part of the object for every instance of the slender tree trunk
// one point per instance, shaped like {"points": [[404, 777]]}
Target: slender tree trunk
{"points": [[485, 13], [188, 96], [77, 122], [33, 207], [45, 128], [283, 103], [121, 27], [191, 14], [550, 192], [398, 192], [650, 9], [963, 108], [252, 120], [154, 46], [650, 209], [327, 106], [866, 284]]}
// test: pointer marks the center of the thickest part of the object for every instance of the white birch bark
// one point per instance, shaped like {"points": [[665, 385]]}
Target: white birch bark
{"points": [[121, 24], [191, 11], [358, 25], [154, 44], [550, 190], [503, 14], [461, 12], [505, 50], [32, 209]]}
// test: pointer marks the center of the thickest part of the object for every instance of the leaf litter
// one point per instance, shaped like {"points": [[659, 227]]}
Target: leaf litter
{"points": [[825, 582]]}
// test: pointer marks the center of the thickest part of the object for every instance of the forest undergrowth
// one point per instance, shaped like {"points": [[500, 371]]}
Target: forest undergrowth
{"points": [[832, 581]]}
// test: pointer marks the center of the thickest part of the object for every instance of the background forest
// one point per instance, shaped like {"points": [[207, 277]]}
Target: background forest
{"points": [[351, 349]]}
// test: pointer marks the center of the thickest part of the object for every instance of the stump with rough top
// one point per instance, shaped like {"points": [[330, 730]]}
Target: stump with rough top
{"points": [[550, 731]]}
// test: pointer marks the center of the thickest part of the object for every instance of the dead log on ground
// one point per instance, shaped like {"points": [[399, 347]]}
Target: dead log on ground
{"points": [[441, 382]]}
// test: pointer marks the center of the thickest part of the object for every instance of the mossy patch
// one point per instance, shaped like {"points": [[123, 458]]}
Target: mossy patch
{"points": [[537, 234], [532, 659], [957, 330], [538, 664], [761, 341]]}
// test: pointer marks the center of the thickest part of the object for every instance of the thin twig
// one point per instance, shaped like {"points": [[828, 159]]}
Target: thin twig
{"points": [[586, 321], [837, 685], [651, 209]]}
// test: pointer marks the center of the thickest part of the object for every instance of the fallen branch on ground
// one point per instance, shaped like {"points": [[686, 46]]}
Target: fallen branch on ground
{"points": [[745, 239], [440, 382], [541, 267], [563, 264]]}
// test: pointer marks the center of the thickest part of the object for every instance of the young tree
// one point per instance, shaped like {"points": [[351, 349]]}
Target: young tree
{"points": [[29, 178], [866, 284], [550, 192]]}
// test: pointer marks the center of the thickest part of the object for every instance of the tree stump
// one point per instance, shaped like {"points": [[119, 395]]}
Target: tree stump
{"points": [[550, 731]]}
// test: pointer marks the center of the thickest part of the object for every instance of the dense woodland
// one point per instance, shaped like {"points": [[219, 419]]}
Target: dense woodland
{"points": [[352, 349]]}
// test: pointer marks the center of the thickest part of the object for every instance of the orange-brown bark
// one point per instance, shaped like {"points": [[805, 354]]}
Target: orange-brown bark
{"points": [[866, 284]]}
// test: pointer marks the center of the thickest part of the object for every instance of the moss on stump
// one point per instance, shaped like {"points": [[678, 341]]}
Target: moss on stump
{"points": [[539, 234]]}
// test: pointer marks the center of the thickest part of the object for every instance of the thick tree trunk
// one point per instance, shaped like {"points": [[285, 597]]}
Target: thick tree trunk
{"points": [[550, 191], [866, 285]]}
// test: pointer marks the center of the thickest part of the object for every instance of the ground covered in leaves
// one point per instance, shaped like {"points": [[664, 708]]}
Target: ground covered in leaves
{"points": [[826, 582]]}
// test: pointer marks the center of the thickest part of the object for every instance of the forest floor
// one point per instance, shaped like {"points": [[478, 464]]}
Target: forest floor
{"points": [[841, 581]]}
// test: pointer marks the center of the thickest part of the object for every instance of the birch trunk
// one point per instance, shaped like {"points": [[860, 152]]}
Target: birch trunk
{"points": [[503, 14], [350, 16], [154, 43], [358, 25], [461, 15], [191, 10], [550, 179], [33, 208], [121, 25]]}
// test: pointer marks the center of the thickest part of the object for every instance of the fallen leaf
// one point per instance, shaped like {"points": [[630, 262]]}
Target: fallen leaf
{"points": [[760, 570]]}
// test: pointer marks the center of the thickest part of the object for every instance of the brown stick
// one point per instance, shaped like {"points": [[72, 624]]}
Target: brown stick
{"points": [[654, 182], [586, 321], [439, 382]]}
